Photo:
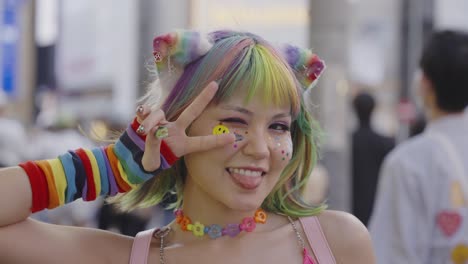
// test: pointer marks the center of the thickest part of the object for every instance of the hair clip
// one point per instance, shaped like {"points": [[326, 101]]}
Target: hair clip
{"points": [[307, 66], [179, 48]]}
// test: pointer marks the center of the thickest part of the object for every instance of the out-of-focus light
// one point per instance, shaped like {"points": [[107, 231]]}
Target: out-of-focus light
{"points": [[99, 129], [342, 87], [266, 16], [46, 22]]}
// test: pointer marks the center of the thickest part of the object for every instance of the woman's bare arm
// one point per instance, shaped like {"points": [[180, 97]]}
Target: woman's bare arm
{"points": [[24, 240], [15, 196], [31, 241]]}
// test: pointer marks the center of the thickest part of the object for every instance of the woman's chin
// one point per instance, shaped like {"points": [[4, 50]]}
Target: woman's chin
{"points": [[247, 206]]}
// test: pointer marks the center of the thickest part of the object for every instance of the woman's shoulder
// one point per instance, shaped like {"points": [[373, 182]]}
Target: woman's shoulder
{"points": [[347, 237]]}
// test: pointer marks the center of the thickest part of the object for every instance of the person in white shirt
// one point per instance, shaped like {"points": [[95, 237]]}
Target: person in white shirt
{"points": [[421, 211]]}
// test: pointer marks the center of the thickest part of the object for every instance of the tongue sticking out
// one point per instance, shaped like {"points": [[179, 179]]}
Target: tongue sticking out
{"points": [[246, 182]]}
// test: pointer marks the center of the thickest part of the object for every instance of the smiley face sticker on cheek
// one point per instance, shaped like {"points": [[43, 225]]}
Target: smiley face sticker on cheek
{"points": [[220, 129]]}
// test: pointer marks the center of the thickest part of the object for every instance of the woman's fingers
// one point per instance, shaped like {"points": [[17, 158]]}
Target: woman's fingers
{"points": [[202, 143], [142, 112], [197, 106], [149, 124], [151, 120], [151, 157]]}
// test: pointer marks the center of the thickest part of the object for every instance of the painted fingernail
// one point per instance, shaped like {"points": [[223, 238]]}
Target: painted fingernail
{"points": [[140, 109], [140, 129], [161, 132]]}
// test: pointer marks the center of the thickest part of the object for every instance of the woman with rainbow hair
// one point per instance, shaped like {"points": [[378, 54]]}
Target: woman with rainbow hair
{"points": [[232, 140]]}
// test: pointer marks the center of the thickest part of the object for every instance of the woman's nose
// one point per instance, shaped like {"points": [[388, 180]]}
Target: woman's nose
{"points": [[257, 145]]}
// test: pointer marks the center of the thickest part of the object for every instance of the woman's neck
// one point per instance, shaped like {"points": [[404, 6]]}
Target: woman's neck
{"points": [[207, 211]]}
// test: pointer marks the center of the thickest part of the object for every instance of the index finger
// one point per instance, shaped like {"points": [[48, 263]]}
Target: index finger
{"points": [[202, 143], [197, 106]]}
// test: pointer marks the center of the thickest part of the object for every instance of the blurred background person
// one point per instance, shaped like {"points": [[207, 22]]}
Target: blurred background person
{"points": [[418, 125], [369, 148], [422, 200], [110, 218]]}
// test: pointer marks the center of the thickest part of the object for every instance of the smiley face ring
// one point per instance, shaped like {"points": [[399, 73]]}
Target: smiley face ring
{"points": [[161, 132]]}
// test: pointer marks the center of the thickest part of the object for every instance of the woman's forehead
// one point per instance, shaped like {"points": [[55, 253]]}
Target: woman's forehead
{"points": [[240, 102]]}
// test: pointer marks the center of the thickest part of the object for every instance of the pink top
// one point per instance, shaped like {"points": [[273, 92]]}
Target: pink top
{"points": [[311, 226]]}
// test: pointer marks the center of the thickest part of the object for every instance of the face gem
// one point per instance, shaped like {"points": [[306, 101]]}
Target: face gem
{"points": [[238, 137]]}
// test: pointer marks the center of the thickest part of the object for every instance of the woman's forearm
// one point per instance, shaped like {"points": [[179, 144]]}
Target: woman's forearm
{"points": [[15, 196]]}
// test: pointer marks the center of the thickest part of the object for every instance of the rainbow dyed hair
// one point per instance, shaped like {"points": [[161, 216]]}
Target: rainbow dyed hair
{"points": [[237, 60]]}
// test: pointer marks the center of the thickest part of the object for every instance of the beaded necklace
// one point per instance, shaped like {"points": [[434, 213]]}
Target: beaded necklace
{"points": [[214, 231]]}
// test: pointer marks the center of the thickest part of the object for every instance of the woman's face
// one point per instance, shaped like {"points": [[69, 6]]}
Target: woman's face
{"points": [[242, 174]]}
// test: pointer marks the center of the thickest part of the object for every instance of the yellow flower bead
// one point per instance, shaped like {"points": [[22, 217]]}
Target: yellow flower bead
{"points": [[189, 227], [198, 229]]}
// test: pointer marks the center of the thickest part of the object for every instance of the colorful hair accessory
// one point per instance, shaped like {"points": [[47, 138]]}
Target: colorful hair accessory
{"points": [[179, 49], [306, 65], [214, 231]]}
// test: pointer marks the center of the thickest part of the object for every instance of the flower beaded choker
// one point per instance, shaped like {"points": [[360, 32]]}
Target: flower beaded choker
{"points": [[214, 231]]}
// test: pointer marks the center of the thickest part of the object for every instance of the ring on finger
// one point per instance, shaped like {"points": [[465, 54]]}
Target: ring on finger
{"points": [[140, 109], [161, 132], [140, 129]]}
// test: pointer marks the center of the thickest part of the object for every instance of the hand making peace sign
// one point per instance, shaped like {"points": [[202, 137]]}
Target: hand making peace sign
{"points": [[177, 139]]}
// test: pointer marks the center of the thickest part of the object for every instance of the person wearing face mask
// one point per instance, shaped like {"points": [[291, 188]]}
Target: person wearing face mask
{"points": [[232, 140]]}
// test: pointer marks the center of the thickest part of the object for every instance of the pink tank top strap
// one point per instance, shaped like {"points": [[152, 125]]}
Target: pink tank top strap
{"points": [[317, 240], [141, 245]]}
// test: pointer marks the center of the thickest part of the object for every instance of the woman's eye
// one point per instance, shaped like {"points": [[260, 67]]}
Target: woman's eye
{"points": [[234, 120], [279, 127]]}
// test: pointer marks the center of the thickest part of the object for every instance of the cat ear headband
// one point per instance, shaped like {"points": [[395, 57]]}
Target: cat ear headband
{"points": [[179, 48]]}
